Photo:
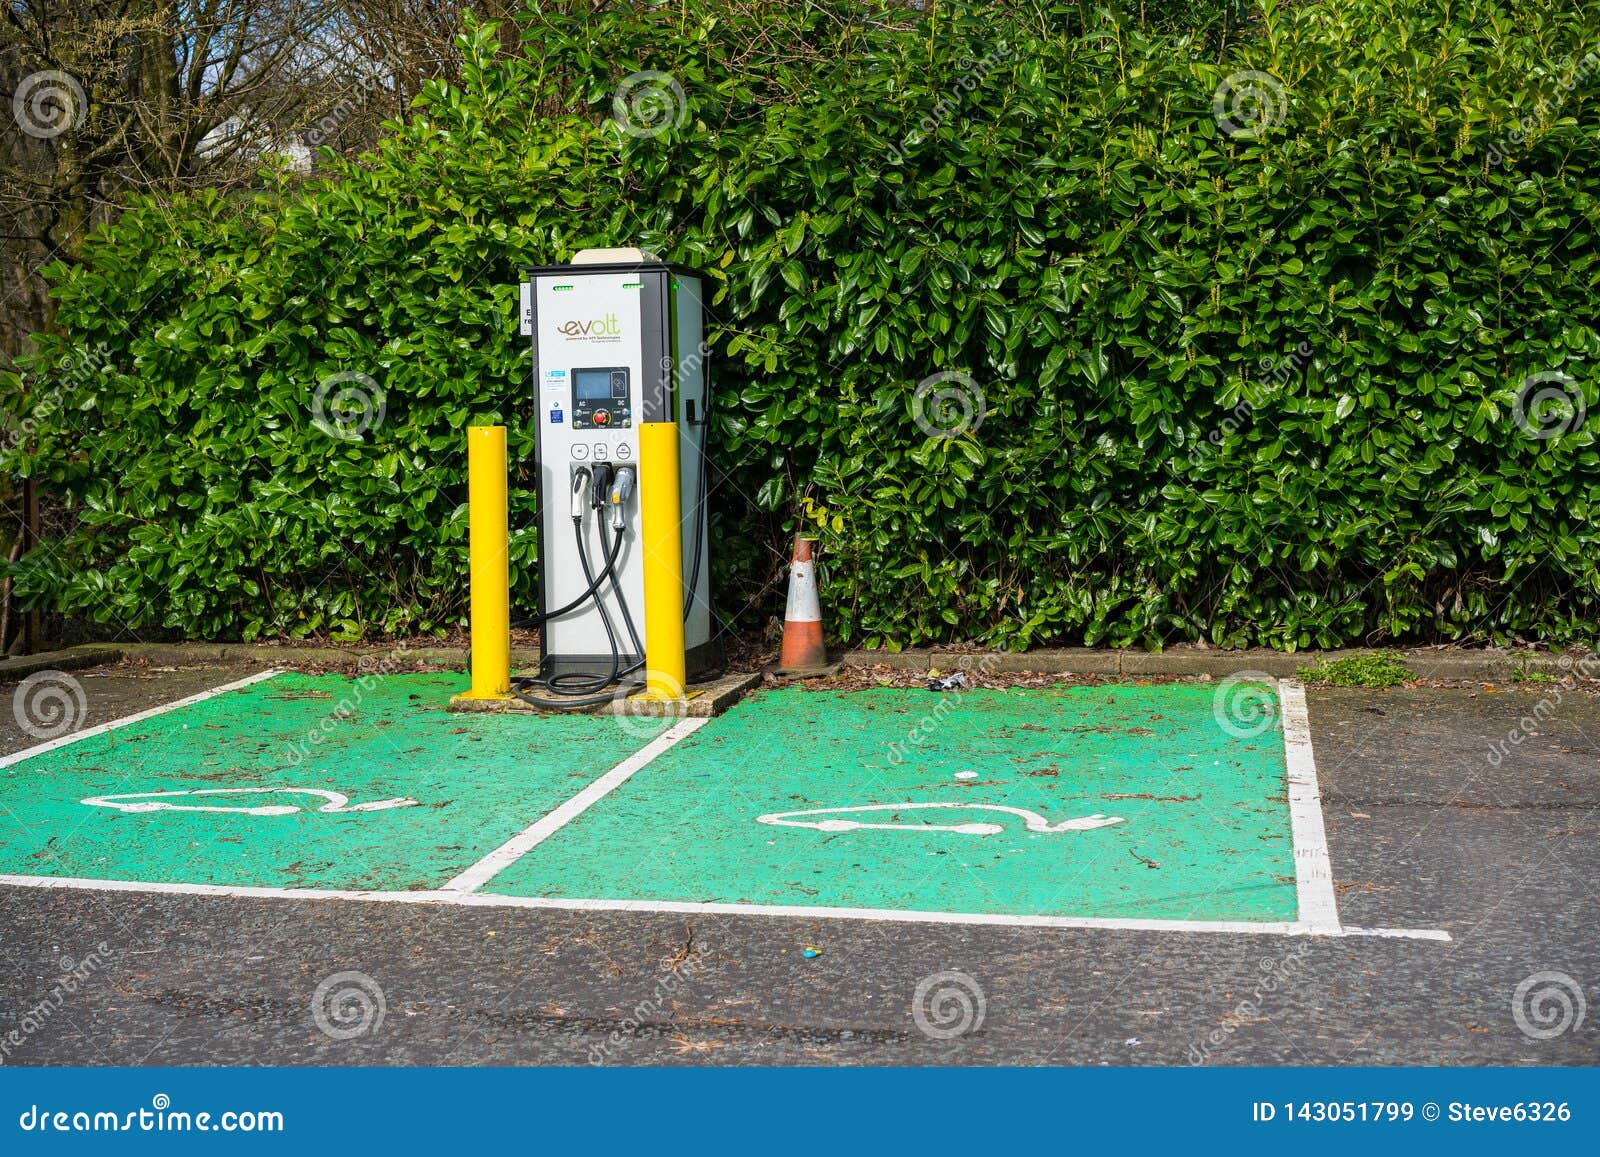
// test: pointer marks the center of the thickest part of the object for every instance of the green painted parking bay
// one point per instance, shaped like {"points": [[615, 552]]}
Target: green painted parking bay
{"points": [[300, 782], [1097, 802]]}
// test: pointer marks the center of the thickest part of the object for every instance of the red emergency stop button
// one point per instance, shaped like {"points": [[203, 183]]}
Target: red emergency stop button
{"points": [[602, 417]]}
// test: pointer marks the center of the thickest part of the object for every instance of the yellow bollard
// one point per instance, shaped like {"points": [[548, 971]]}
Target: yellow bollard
{"points": [[489, 537], [661, 540]]}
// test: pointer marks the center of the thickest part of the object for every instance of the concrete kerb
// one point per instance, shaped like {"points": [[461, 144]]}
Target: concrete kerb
{"points": [[1220, 664], [178, 654], [1427, 662], [72, 659], [1076, 660], [1491, 666], [230, 654]]}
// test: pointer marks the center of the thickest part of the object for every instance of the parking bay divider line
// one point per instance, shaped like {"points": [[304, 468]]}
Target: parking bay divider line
{"points": [[532, 836], [1318, 908]]}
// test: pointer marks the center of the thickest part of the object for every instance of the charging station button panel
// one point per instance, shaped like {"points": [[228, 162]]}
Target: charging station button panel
{"points": [[601, 398]]}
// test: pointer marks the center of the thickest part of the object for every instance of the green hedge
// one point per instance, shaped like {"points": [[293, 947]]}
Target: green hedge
{"points": [[1251, 372]]}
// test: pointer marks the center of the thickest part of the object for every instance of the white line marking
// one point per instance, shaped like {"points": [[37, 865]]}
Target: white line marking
{"points": [[1399, 933], [529, 838], [813, 912], [139, 717], [1313, 873], [78, 883], [444, 898]]}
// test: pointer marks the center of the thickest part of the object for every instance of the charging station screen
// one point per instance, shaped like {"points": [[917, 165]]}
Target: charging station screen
{"points": [[591, 385]]}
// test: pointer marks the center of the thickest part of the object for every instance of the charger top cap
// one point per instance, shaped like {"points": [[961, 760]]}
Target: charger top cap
{"points": [[612, 256]]}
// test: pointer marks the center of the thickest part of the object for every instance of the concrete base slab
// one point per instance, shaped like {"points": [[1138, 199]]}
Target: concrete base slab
{"points": [[705, 699]]}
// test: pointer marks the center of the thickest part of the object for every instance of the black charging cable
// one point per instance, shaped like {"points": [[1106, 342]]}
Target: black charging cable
{"points": [[575, 689]]}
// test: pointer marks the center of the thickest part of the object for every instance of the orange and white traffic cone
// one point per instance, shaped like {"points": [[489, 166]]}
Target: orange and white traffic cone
{"points": [[803, 653]]}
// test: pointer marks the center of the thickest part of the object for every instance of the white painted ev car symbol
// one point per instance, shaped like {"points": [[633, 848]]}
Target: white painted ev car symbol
{"points": [[1032, 820], [334, 803]]}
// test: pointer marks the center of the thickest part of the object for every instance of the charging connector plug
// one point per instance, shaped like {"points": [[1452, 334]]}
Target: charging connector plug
{"points": [[580, 483], [600, 492], [621, 490]]}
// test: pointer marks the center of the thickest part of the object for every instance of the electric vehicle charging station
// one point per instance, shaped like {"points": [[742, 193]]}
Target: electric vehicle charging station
{"points": [[619, 375]]}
